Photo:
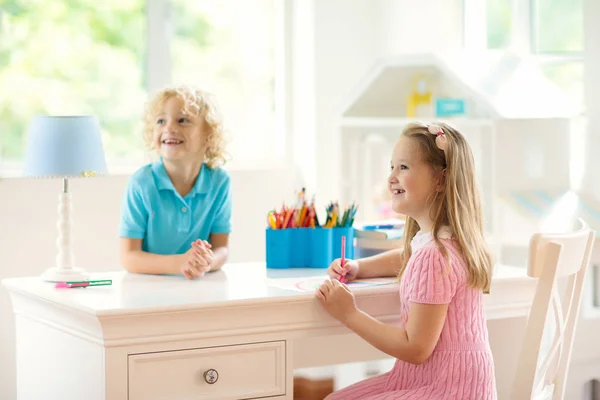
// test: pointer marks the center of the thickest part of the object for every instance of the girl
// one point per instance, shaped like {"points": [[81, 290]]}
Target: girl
{"points": [[444, 268], [176, 212]]}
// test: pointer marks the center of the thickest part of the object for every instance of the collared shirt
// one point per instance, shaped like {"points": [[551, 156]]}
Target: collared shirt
{"points": [[153, 210]]}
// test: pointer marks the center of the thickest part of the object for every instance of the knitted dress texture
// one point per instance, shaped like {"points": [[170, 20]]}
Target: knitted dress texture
{"points": [[461, 366]]}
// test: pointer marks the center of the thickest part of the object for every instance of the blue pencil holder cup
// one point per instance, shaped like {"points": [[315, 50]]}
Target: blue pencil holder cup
{"points": [[348, 232], [279, 245], [320, 247], [307, 247], [299, 247]]}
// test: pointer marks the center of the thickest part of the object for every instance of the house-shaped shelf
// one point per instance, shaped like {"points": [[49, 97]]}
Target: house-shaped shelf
{"points": [[516, 119]]}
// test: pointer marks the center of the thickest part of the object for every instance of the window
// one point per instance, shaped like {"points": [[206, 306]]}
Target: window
{"points": [[228, 48], [71, 57], [552, 30], [558, 33], [498, 16], [550, 26], [89, 57], [558, 26]]}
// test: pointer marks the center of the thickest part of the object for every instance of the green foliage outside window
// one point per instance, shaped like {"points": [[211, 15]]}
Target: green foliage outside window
{"points": [[66, 57], [556, 28], [70, 57]]}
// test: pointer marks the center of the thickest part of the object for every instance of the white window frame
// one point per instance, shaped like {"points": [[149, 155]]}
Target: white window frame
{"points": [[158, 22], [159, 72], [522, 34]]}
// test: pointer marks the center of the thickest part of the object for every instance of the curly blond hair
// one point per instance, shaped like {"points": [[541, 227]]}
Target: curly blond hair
{"points": [[198, 103]]}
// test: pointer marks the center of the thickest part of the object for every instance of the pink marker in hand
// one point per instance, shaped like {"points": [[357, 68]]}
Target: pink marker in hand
{"points": [[343, 261]]}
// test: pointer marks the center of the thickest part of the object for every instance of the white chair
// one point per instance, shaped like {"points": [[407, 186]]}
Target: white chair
{"points": [[555, 259]]}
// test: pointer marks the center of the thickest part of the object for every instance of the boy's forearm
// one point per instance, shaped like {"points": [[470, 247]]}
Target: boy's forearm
{"points": [[220, 258], [141, 262], [380, 265]]}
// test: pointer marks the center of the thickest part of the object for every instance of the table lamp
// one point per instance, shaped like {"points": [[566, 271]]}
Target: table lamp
{"points": [[64, 147]]}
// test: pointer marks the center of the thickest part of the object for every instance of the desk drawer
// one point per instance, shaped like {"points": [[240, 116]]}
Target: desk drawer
{"points": [[236, 372]]}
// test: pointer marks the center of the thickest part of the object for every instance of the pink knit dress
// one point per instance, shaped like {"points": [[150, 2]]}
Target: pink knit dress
{"points": [[461, 365]]}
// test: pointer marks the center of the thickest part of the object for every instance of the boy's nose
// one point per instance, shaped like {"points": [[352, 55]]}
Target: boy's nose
{"points": [[170, 128], [169, 125]]}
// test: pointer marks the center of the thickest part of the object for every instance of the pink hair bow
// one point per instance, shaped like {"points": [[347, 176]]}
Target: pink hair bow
{"points": [[441, 141]]}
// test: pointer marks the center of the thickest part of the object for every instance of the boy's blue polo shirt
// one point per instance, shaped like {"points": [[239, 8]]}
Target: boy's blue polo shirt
{"points": [[154, 211]]}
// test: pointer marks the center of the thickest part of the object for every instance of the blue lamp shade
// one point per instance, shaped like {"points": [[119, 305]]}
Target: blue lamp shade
{"points": [[64, 146]]}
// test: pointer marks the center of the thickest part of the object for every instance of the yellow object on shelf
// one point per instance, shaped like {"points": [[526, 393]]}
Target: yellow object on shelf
{"points": [[420, 96]]}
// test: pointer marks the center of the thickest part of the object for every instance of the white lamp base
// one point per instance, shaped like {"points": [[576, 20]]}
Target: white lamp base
{"points": [[64, 270], [64, 275]]}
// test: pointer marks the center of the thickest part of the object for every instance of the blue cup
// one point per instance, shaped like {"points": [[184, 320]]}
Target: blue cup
{"points": [[307, 247], [320, 247], [278, 248], [299, 247], [348, 232]]}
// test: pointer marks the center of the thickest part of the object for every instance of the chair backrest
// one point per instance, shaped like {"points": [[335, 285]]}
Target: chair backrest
{"points": [[553, 258]]}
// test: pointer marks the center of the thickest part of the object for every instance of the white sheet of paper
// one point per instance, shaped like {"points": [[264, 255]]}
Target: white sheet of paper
{"points": [[310, 284]]}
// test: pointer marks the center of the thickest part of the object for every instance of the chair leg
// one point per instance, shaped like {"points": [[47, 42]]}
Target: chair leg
{"points": [[312, 389]]}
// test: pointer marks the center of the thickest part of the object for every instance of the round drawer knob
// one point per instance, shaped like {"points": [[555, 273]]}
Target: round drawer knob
{"points": [[211, 376]]}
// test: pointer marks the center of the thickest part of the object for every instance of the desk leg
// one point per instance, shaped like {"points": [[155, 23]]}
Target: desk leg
{"points": [[116, 373]]}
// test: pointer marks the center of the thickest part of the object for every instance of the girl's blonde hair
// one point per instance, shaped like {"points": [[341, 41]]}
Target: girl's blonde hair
{"points": [[199, 104], [458, 205]]}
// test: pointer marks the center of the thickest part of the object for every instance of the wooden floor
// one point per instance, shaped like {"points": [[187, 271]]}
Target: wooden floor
{"points": [[316, 383]]}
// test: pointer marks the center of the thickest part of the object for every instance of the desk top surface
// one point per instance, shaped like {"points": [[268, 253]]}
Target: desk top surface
{"points": [[234, 284]]}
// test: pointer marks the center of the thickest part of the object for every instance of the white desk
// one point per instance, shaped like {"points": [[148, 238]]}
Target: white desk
{"points": [[154, 337]]}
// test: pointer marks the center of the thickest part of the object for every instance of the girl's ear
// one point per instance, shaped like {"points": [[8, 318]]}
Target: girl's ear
{"points": [[441, 181]]}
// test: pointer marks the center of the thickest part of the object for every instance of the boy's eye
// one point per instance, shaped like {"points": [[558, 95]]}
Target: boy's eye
{"points": [[160, 121], [183, 120], [402, 166]]}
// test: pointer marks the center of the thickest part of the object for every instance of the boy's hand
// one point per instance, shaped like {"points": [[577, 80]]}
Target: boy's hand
{"points": [[199, 260]]}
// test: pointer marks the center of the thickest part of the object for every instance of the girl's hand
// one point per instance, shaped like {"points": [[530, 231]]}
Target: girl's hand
{"points": [[349, 271], [200, 258], [337, 300]]}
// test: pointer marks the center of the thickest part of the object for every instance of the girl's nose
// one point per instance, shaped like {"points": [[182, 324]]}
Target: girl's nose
{"points": [[392, 177]]}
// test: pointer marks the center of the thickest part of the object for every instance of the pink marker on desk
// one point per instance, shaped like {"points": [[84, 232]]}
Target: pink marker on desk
{"points": [[343, 261], [83, 284]]}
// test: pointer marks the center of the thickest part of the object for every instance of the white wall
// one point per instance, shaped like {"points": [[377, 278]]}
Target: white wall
{"points": [[419, 26]]}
